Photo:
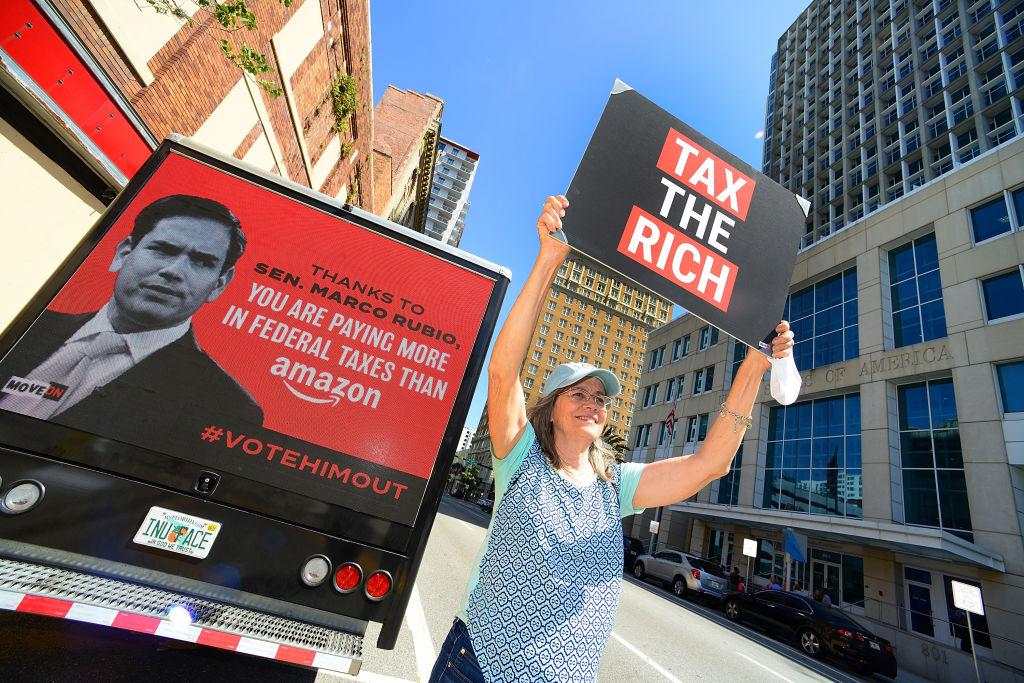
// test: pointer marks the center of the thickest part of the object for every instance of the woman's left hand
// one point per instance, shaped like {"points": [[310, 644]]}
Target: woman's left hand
{"points": [[782, 345]]}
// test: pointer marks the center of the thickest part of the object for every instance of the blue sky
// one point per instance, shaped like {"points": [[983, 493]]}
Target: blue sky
{"points": [[524, 84]]}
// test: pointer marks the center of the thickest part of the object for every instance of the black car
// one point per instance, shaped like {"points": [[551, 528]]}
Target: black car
{"points": [[632, 548], [818, 630]]}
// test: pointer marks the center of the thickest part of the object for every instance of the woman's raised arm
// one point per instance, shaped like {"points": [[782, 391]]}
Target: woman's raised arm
{"points": [[674, 479], [506, 407]]}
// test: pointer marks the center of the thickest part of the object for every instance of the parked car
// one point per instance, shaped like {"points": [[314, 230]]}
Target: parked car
{"points": [[816, 629], [486, 504], [632, 548], [687, 575]]}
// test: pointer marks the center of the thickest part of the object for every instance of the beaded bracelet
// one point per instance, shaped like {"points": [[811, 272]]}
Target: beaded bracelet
{"points": [[737, 419]]}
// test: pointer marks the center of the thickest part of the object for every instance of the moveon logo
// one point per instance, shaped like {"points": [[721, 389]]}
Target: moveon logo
{"points": [[19, 386]]}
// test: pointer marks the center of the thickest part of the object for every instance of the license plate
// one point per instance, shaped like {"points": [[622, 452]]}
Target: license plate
{"points": [[875, 646], [177, 532]]}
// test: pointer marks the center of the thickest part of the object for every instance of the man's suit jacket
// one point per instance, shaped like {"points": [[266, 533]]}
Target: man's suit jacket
{"points": [[176, 390]]}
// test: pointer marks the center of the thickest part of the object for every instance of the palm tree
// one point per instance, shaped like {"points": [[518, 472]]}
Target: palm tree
{"points": [[616, 441]]}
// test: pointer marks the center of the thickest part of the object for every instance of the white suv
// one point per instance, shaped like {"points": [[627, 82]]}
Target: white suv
{"points": [[685, 574]]}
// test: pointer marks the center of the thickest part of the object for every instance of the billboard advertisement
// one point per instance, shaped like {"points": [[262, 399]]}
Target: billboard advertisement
{"points": [[235, 327]]}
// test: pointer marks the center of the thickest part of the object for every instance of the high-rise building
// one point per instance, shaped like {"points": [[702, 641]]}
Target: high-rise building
{"points": [[449, 193], [465, 439], [590, 316], [870, 100], [902, 462]]}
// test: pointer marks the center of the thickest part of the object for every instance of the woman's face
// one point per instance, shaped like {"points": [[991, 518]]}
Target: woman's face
{"points": [[585, 417]]}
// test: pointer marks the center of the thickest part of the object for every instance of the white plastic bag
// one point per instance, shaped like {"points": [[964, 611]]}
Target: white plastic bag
{"points": [[786, 381]]}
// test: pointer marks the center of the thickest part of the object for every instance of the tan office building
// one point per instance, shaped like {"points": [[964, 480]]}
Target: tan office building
{"points": [[590, 316], [902, 462]]}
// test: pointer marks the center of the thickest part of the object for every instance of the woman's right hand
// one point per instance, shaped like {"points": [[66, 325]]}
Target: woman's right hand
{"points": [[550, 221]]}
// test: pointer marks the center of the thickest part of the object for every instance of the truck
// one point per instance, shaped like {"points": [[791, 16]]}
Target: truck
{"points": [[229, 415]]}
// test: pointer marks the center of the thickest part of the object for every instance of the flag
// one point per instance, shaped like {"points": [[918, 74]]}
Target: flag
{"points": [[796, 545], [670, 424]]}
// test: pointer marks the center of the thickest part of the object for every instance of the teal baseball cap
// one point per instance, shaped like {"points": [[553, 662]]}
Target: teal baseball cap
{"points": [[567, 374]]}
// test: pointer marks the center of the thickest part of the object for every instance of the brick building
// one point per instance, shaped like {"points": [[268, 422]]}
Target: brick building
{"points": [[407, 126], [89, 87]]}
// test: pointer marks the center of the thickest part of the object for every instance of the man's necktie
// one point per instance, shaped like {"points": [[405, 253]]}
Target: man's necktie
{"points": [[78, 365]]}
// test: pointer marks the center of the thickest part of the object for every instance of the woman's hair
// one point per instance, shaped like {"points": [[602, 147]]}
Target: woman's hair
{"points": [[602, 456]]}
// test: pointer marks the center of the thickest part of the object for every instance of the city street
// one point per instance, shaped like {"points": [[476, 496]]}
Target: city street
{"points": [[657, 637]]}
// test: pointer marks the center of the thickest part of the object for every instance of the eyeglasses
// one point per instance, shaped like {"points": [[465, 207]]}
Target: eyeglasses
{"points": [[600, 401]]}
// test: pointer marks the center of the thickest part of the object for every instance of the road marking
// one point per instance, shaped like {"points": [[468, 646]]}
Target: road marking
{"points": [[771, 671], [654, 665], [422, 644]]}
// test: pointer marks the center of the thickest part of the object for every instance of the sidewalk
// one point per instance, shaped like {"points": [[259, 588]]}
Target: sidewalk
{"points": [[903, 676]]}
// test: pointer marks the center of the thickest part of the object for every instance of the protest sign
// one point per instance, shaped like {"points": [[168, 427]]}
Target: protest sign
{"points": [[664, 206]]}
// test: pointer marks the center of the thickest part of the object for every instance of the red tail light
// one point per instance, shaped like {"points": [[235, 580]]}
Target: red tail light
{"points": [[378, 585], [695, 573], [888, 647], [845, 633], [348, 577]]}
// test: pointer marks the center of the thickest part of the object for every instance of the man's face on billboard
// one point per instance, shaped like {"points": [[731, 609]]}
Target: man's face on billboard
{"points": [[169, 274]]}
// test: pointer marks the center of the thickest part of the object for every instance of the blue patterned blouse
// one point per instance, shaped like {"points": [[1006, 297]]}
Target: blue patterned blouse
{"points": [[542, 602]]}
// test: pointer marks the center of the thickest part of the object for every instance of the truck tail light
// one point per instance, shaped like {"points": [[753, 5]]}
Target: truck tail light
{"points": [[695, 573], [348, 577], [378, 585]]}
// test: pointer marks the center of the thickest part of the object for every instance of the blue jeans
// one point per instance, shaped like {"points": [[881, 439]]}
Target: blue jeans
{"points": [[456, 663]]}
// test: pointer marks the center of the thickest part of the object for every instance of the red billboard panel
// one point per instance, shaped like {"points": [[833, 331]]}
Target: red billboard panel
{"points": [[224, 323]]}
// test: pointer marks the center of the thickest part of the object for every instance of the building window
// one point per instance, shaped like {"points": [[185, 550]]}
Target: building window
{"points": [[934, 487], [651, 395], [528, 382], [532, 369], [1004, 295], [677, 349], [704, 380], [657, 358], [643, 436], [708, 337], [1011, 386], [824, 319], [662, 433], [813, 459], [729, 486], [916, 292], [674, 391], [993, 218], [686, 345], [670, 390]]}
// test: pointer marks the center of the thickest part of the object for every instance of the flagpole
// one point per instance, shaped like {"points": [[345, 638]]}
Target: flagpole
{"points": [[670, 433]]}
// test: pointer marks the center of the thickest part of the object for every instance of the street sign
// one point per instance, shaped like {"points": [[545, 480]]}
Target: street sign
{"points": [[749, 547], [967, 597], [655, 526], [661, 204]]}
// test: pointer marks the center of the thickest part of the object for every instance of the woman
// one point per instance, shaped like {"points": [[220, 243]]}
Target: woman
{"points": [[542, 602]]}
